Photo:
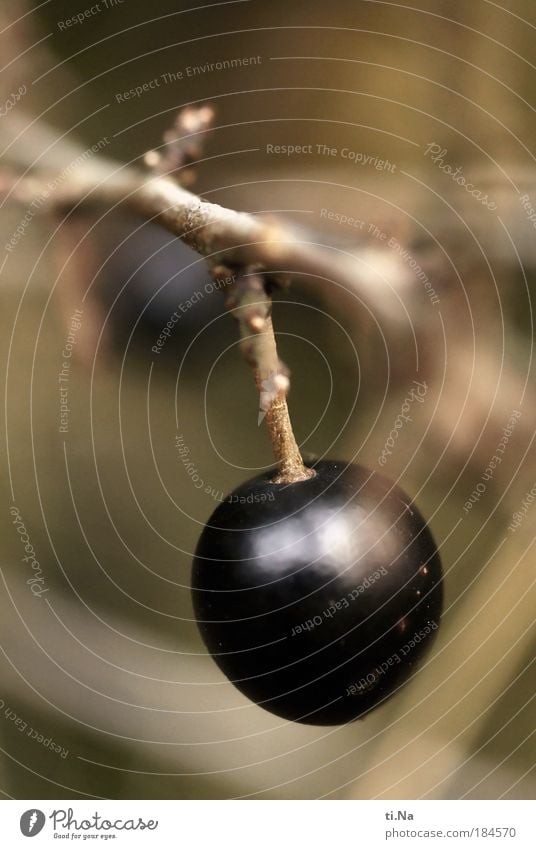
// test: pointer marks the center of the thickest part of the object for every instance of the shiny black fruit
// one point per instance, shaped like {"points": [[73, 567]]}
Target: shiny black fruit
{"points": [[318, 599]]}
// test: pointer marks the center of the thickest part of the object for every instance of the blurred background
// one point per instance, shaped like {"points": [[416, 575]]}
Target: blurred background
{"points": [[105, 687]]}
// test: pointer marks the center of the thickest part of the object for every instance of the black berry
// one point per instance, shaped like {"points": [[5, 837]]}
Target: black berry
{"points": [[318, 599]]}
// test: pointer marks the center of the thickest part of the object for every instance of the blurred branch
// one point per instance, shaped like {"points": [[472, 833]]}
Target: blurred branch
{"points": [[181, 148], [222, 235], [435, 723]]}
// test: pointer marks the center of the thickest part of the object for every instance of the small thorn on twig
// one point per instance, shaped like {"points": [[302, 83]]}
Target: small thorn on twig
{"points": [[257, 323]]}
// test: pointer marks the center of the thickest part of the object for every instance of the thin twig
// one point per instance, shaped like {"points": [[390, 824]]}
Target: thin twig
{"points": [[251, 305], [236, 239]]}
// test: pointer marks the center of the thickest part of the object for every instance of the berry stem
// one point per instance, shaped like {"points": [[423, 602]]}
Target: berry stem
{"points": [[291, 467], [251, 305]]}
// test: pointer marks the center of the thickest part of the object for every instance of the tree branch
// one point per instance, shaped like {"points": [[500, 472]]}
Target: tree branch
{"points": [[238, 240], [221, 235]]}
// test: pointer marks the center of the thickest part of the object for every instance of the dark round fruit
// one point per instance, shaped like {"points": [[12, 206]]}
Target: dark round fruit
{"points": [[318, 599]]}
